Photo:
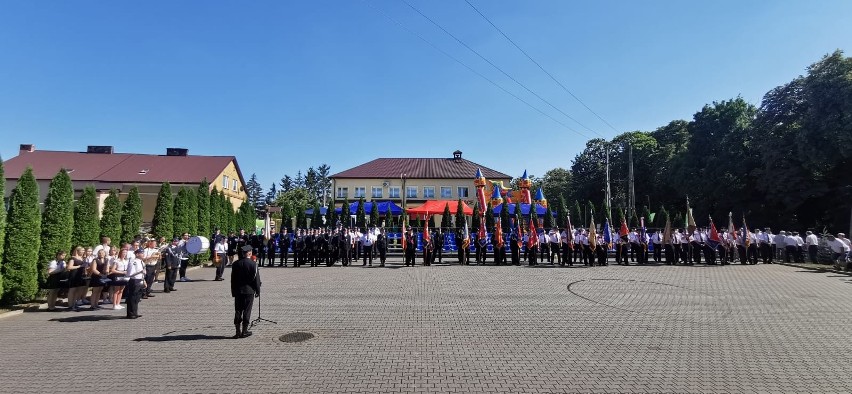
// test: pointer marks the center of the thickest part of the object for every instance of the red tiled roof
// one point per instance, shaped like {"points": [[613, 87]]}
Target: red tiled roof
{"points": [[420, 168], [119, 167]]}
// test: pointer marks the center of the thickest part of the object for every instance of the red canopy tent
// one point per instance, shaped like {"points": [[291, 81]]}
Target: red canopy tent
{"points": [[436, 207]]}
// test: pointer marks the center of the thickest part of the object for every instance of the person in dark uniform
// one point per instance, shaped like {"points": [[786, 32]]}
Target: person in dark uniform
{"points": [[428, 248], [460, 246], [410, 247], [532, 252], [495, 247], [516, 250], [232, 247], [439, 246], [382, 247], [544, 248], [284, 247], [245, 287], [271, 244], [258, 244], [481, 247], [345, 247], [299, 249], [242, 240]]}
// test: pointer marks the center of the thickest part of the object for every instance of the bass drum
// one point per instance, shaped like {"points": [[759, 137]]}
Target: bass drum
{"points": [[197, 245]]}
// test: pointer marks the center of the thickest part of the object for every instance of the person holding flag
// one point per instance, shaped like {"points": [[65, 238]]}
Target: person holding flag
{"points": [[481, 244], [622, 243], [464, 248], [607, 243], [668, 243], [428, 246], [532, 244], [591, 245], [567, 244], [713, 242], [515, 243], [497, 243], [643, 242]]}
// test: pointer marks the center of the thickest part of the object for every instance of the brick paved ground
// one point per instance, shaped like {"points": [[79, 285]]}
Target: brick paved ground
{"points": [[764, 328]]}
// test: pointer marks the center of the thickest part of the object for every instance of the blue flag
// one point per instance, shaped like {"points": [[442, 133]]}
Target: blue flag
{"points": [[607, 233]]}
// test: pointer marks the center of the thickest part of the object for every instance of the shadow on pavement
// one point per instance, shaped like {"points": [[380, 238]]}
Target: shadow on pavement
{"points": [[188, 337], [83, 318]]}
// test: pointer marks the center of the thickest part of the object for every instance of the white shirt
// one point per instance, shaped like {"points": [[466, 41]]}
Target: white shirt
{"points": [[811, 240], [790, 241], [368, 239], [56, 267], [799, 241], [135, 269], [221, 248], [105, 248], [656, 239], [838, 246], [780, 240], [149, 252], [554, 238], [633, 237], [118, 264]]}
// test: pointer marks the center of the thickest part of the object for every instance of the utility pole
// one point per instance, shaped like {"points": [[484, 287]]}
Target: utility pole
{"points": [[632, 197], [608, 192]]}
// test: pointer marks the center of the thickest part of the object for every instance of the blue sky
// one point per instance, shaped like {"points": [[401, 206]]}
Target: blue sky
{"points": [[284, 85]]}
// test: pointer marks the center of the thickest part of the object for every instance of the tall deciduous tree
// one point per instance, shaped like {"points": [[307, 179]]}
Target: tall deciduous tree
{"points": [[86, 227], [111, 217], [131, 215], [20, 253], [163, 223], [57, 221]]}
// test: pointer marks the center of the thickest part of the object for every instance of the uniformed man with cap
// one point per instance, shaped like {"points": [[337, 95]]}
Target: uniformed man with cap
{"points": [[245, 287]]}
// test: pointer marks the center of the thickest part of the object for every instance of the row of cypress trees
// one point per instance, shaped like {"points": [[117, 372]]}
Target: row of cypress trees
{"points": [[31, 236]]}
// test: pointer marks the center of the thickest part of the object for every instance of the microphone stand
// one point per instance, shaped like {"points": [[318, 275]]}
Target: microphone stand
{"points": [[260, 319]]}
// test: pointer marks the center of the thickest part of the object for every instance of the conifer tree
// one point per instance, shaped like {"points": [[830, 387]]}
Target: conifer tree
{"points": [[445, 218], [504, 217], [592, 214], [388, 220], [459, 219], [476, 221], [57, 221], [111, 217], [86, 226], [231, 215], [579, 215], [489, 217], [360, 214], [180, 212], [22, 242], [374, 214], [331, 214], [561, 212], [316, 218], [214, 212], [202, 196], [225, 210], [192, 217], [131, 216], [646, 213], [163, 224], [548, 218]]}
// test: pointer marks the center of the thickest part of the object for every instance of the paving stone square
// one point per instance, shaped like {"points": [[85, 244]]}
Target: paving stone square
{"points": [[458, 329]]}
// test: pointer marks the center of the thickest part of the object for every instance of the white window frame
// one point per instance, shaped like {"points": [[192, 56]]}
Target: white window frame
{"points": [[433, 192], [466, 189], [450, 188], [373, 190], [391, 190], [345, 193], [234, 183], [363, 190], [407, 188], [225, 182]]}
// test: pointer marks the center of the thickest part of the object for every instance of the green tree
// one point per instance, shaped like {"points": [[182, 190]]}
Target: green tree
{"points": [[316, 218], [86, 226], [111, 217], [57, 221], [459, 220], [233, 224], [360, 214], [446, 219], [579, 214], [192, 217], [181, 212], [214, 217], [163, 224], [476, 220], [646, 213], [556, 184], [374, 214], [246, 216], [592, 214], [489, 217], [22, 243], [388, 216], [331, 214], [2, 223], [561, 212], [504, 217], [202, 196], [548, 218], [131, 216]]}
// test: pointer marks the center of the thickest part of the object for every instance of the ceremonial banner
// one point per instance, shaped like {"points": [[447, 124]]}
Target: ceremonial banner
{"points": [[593, 235], [714, 240], [607, 233]]}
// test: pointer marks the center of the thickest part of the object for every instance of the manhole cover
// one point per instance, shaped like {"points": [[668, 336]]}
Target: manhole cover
{"points": [[296, 337]]}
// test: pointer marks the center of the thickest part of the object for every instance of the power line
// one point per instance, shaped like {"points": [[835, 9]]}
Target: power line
{"points": [[398, 23], [494, 65], [541, 68]]}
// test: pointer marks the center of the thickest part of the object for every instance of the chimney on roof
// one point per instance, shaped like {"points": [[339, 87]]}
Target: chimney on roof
{"points": [[27, 148], [457, 155], [177, 151], [99, 149]]}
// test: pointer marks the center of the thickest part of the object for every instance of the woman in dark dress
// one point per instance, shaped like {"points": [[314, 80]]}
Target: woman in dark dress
{"points": [[98, 277], [78, 279], [57, 279]]}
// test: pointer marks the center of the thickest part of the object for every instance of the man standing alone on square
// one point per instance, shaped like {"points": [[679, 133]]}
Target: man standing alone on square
{"points": [[245, 287]]}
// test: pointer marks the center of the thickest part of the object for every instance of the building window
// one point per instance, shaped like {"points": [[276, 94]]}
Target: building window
{"points": [[462, 191], [234, 182], [360, 192], [446, 192], [428, 191], [376, 192], [342, 192], [225, 182], [411, 192], [393, 192]]}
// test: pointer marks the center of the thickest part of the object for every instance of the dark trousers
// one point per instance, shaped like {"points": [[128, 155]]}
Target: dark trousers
{"points": [[409, 256], [368, 254], [812, 253], [695, 247], [516, 255], [285, 255], [183, 265], [171, 278], [220, 270], [242, 308], [670, 256], [766, 253], [150, 275], [752, 254], [709, 254], [635, 252], [790, 254], [741, 250], [134, 290], [602, 254], [554, 253], [658, 253], [382, 255], [588, 259]]}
